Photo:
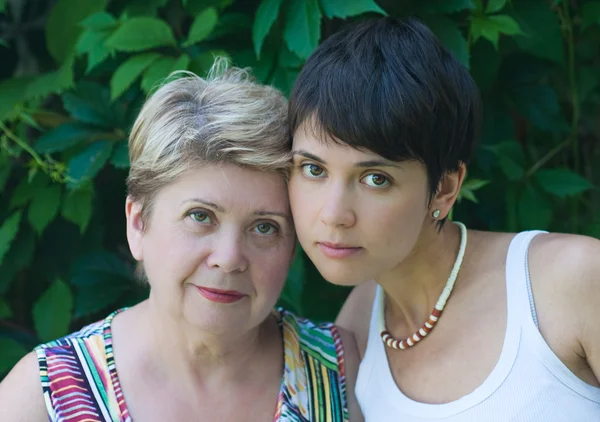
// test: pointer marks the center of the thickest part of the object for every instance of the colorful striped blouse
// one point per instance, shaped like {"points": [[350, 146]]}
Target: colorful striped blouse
{"points": [[80, 381]]}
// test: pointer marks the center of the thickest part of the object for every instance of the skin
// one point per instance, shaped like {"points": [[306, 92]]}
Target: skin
{"points": [[179, 355], [356, 198]]}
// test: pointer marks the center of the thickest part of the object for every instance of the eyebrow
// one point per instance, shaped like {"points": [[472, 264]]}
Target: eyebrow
{"points": [[206, 203], [360, 164], [273, 213], [308, 155], [221, 209]]}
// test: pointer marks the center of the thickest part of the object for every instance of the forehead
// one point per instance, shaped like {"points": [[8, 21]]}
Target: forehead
{"points": [[230, 186], [313, 140]]}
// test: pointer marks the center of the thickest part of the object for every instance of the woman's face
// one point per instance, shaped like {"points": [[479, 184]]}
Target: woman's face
{"points": [[217, 246], [357, 215]]}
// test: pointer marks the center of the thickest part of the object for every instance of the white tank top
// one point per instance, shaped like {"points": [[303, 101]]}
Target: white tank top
{"points": [[528, 383]]}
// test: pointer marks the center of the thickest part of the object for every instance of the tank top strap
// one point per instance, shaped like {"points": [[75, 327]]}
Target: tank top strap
{"points": [[520, 305]]}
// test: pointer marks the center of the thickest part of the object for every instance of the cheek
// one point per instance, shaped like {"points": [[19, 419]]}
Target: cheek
{"points": [[271, 269]]}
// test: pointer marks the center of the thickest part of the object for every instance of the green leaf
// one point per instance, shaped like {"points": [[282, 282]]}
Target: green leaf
{"points": [[344, 9], [510, 159], [5, 311], [77, 207], [53, 82], [8, 232], [494, 6], [157, 71], [120, 156], [450, 35], [563, 182], [539, 103], [90, 39], [182, 63], [202, 26], [99, 21], [490, 27], [266, 15], [143, 33], [27, 189], [90, 103], [505, 24], [10, 353], [144, 7], [52, 312], [590, 13], [587, 78], [303, 27], [445, 6], [202, 63], [63, 26], [129, 71], [2, 6], [101, 279], [6, 165], [84, 166], [542, 33], [12, 92], [63, 137], [44, 207], [535, 212], [485, 62]]}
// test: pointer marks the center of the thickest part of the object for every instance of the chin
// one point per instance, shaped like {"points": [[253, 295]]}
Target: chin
{"points": [[342, 275]]}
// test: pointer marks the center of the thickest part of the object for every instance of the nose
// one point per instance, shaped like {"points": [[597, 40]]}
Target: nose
{"points": [[337, 210], [228, 252]]}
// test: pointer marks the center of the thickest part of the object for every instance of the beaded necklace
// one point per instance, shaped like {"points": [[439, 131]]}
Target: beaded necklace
{"points": [[410, 341]]}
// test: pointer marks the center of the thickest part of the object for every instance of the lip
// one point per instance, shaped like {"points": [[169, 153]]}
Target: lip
{"points": [[338, 250], [220, 296]]}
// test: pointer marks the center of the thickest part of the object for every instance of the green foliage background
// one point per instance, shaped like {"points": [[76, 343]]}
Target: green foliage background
{"points": [[75, 74]]}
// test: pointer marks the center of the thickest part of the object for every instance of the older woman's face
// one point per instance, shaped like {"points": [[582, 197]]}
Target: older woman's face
{"points": [[218, 245]]}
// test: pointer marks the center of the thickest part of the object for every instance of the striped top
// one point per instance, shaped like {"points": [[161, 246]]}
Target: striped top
{"points": [[80, 382]]}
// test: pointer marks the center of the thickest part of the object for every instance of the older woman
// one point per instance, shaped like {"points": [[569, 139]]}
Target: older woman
{"points": [[208, 219]]}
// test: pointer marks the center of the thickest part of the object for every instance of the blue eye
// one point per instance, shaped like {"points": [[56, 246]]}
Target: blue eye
{"points": [[375, 180], [266, 228], [313, 171], [200, 217]]}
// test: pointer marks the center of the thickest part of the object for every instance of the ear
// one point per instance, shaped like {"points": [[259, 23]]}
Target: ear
{"points": [[135, 227], [448, 191]]}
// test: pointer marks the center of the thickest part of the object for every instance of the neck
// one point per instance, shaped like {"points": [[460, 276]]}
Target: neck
{"points": [[205, 359], [415, 285]]}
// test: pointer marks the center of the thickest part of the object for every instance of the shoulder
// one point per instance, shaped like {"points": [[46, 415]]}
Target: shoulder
{"points": [[355, 315], [565, 263], [565, 276], [21, 397]]}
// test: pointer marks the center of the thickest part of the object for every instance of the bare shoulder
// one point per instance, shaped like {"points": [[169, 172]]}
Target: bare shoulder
{"points": [[566, 263], [565, 277], [21, 397], [355, 315], [351, 363]]}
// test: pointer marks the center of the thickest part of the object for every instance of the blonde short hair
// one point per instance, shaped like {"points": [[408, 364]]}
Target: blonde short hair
{"points": [[190, 121]]}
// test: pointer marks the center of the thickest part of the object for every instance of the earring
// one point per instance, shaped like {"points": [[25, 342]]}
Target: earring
{"points": [[436, 214]]}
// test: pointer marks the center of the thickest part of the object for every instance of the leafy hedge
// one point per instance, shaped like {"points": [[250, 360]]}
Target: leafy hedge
{"points": [[76, 72]]}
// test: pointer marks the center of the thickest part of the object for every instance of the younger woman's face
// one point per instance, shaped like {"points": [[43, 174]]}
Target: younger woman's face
{"points": [[357, 215]]}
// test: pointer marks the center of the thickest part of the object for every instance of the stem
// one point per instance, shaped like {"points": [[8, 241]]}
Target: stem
{"points": [[549, 155], [22, 144]]}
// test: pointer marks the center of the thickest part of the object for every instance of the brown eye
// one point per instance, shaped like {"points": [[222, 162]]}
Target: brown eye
{"points": [[312, 171], [376, 180]]}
